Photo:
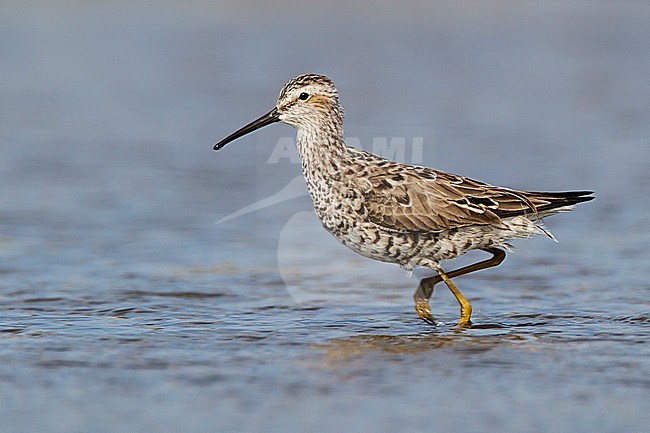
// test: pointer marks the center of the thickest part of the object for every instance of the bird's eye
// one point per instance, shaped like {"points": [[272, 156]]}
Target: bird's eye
{"points": [[303, 96]]}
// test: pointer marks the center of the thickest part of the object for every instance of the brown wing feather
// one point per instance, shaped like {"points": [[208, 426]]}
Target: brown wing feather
{"points": [[426, 200]]}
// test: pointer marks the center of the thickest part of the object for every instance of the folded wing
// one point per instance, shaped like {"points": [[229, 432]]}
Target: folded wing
{"points": [[423, 200]]}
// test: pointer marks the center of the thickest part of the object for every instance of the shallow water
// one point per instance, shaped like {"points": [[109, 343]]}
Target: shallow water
{"points": [[126, 308]]}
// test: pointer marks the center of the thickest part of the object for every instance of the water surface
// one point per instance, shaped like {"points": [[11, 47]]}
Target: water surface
{"points": [[126, 308]]}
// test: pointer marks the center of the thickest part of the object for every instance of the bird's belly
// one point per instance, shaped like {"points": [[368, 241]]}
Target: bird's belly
{"points": [[408, 250], [374, 243]]}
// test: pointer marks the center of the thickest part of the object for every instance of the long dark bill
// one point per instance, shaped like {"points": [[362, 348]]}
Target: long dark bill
{"points": [[267, 119]]}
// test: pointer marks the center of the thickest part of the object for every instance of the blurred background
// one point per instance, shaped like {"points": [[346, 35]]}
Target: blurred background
{"points": [[125, 307]]}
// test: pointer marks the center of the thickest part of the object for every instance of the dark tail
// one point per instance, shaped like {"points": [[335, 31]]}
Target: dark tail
{"points": [[543, 203], [561, 199]]}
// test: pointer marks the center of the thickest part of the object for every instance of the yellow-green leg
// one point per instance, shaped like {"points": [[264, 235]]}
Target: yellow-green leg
{"points": [[421, 298], [465, 306], [426, 287]]}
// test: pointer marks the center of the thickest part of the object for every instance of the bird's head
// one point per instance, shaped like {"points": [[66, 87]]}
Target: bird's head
{"points": [[307, 101]]}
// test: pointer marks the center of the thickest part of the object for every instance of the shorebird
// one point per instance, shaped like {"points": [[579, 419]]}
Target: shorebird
{"points": [[410, 215]]}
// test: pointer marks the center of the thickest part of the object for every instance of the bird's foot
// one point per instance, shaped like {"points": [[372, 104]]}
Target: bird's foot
{"points": [[465, 314], [424, 311]]}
